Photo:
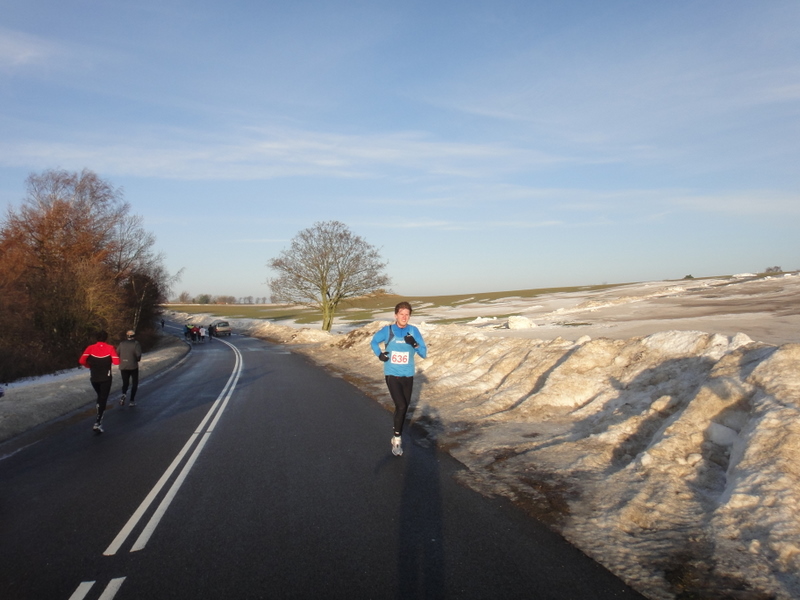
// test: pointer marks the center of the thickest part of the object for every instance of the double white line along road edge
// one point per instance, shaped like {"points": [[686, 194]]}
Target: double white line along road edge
{"points": [[222, 402], [203, 434]]}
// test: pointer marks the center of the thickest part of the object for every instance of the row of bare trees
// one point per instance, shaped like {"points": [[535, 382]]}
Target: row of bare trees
{"points": [[187, 298], [72, 260]]}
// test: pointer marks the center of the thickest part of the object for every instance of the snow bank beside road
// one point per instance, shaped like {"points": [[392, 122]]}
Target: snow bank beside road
{"points": [[670, 458]]}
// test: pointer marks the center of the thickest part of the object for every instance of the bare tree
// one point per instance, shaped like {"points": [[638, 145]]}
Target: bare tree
{"points": [[63, 236], [72, 260], [138, 269], [324, 265]]}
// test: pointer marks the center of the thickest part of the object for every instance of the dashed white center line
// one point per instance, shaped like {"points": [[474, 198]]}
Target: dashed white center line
{"points": [[112, 588], [82, 590]]}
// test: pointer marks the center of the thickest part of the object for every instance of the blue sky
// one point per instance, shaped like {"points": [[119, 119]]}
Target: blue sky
{"points": [[483, 146]]}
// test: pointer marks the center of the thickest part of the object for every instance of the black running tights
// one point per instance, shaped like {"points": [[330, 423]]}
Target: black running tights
{"points": [[103, 389], [132, 376], [400, 389]]}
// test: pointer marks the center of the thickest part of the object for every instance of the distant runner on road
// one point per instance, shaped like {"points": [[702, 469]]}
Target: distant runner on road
{"points": [[401, 342], [130, 353]]}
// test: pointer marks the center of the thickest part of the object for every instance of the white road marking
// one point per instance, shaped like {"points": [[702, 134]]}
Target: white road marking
{"points": [[144, 537], [222, 402], [5, 456], [82, 590], [112, 588]]}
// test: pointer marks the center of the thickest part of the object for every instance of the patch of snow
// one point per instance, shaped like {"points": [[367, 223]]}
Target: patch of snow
{"points": [[519, 322], [58, 377], [483, 320]]}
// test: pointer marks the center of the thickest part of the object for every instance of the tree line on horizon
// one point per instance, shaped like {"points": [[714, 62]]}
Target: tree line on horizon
{"points": [[187, 298], [73, 261]]}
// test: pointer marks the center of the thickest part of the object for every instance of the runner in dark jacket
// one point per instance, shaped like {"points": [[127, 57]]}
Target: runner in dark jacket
{"points": [[130, 353], [98, 358]]}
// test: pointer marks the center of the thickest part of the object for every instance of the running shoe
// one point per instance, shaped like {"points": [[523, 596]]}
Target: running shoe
{"points": [[131, 403], [122, 400], [397, 446], [98, 428]]}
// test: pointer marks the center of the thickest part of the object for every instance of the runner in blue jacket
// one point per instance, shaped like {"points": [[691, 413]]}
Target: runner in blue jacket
{"points": [[401, 343]]}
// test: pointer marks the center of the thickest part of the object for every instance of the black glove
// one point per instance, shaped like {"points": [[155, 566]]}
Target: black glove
{"points": [[383, 356], [409, 339]]}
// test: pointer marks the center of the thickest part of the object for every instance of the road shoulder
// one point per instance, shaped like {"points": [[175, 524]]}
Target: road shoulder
{"points": [[25, 407]]}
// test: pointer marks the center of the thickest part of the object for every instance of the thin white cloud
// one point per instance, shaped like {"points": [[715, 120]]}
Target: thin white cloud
{"points": [[418, 224], [256, 241], [574, 207], [465, 225], [682, 89], [19, 49], [265, 154], [750, 203]]}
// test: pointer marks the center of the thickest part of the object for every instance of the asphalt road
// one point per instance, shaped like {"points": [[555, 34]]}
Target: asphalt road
{"points": [[249, 473]]}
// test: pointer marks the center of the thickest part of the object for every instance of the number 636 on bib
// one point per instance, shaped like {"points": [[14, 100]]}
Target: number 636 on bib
{"points": [[399, 358]]}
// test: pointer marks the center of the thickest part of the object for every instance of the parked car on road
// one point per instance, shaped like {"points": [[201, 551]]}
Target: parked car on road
{"points": [[220, 328]]}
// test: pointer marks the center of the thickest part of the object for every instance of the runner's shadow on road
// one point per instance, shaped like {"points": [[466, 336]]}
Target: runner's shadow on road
{"points": [[420, 552], [421, 565], [420, 541]]}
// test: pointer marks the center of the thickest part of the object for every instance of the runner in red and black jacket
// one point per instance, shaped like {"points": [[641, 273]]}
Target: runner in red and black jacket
{"points": [[98, 358]]}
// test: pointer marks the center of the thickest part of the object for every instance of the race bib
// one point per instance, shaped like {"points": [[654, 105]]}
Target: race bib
{"points": [[399, 358]]}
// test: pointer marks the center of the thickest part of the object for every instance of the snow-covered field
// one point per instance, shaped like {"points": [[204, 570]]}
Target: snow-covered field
{"points": [[656, 425]]}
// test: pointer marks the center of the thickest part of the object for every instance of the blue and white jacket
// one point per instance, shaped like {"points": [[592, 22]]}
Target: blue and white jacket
{"points": [[401, 355]]}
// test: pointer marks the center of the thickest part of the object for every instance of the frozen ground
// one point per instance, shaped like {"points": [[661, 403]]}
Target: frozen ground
{"points": [[654, 425]]}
